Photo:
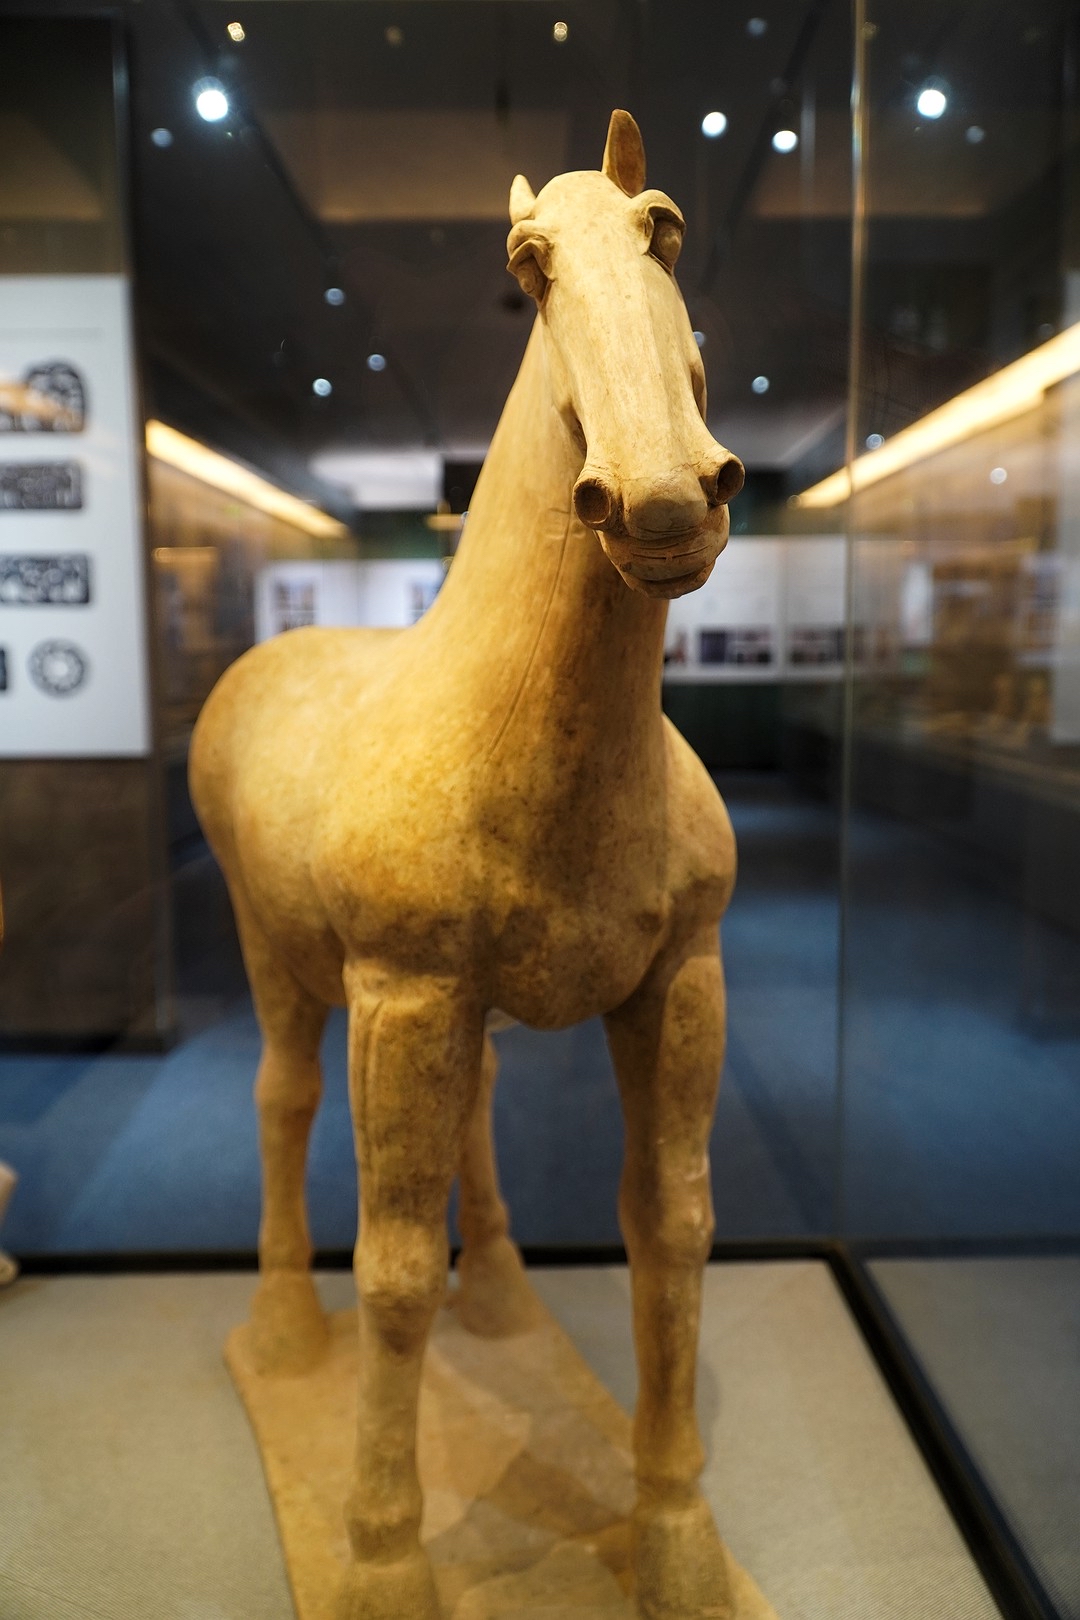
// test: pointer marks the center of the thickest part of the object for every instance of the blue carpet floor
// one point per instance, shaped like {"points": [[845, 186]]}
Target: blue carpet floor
{"points": [[957, 1117]]}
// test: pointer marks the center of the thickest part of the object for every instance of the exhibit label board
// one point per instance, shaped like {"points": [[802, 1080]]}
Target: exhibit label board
{"points": [[73, 675]]}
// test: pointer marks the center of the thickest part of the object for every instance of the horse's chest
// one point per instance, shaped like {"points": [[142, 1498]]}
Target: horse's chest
{"points": [[558, 959]]}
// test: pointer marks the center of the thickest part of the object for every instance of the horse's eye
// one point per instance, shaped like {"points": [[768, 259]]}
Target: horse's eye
{"points": [[666, 242], [530, 278]]}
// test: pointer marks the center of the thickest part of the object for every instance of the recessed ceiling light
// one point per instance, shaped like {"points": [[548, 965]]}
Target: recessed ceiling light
{"points": [[785, 140], [756, 27], [932, 101], [394, 35], [699, 339], [975, 134], [560, 33], [235, 32], [211, 102], [323, 387], [335, 296], [760, 385], [874, 441], [376, 362], [161, 137], [714, 124], [998, 475]]}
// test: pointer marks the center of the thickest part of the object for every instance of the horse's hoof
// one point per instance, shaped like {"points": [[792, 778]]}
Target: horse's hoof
{"points": [[494, 1299], [401, 1590], [680, 1564], [288, 1330]]}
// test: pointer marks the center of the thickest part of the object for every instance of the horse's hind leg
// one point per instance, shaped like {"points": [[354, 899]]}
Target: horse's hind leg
{"points": [[288, 1329], [494, 1299]]}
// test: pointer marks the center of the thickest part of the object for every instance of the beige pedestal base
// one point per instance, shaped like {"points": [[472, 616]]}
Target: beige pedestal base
{"points": [[525, 1462]]}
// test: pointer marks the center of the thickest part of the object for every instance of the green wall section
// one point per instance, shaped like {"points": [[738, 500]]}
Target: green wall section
{"points": [[398, 535], [730, 727]]}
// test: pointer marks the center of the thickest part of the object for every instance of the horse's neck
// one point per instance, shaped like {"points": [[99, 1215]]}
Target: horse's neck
{"points": [[575, 657]]}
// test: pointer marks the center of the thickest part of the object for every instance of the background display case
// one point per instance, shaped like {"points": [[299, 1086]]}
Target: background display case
{"points": [[310, 339]]}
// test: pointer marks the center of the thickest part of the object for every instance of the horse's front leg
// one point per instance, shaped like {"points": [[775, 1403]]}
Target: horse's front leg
{"points": [[414, 1063], [667, 1043]]}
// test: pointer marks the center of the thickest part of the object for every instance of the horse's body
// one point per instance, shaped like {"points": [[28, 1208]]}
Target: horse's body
{"points": [[489, 811]]}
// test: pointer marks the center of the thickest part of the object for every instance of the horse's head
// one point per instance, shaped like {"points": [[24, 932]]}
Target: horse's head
{"points": [[597, 252]]}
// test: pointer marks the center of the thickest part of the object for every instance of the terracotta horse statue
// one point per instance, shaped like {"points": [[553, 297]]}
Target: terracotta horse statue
{"points": [[489, 811]]}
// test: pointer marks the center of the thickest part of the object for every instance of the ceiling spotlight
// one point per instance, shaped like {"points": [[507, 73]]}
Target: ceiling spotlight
{"points": [[975, 134], [376, 362], [932, 101], [713, 124], [235, 32], [998, 475], [335, 296], [785, 140], [211, 102], [756, 27], [161, 137], [699, 339], [760, 385], [323, 387], [874, 441], [560, 33], [394, 35]]}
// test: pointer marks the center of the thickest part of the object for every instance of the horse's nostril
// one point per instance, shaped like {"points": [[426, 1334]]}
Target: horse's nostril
{"points": [[593, 502], [725, 483]]}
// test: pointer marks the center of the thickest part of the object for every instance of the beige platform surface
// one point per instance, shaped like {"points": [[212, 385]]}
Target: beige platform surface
{"points": [[131, 1487], [525, 1459]]}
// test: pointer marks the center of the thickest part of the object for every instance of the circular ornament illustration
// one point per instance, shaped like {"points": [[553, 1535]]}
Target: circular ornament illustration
{"points": [[58, 667]]}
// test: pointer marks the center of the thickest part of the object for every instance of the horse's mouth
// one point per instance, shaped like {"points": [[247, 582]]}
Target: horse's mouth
{"points": [[678, 564], [670, 585]]}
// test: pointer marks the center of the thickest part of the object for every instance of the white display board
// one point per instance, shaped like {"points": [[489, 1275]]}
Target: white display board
{"points": [[385, 594], [73, 676], [772, 609]]}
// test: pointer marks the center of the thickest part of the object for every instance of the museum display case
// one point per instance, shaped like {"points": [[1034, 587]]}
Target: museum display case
{"points": [[256, 333]]}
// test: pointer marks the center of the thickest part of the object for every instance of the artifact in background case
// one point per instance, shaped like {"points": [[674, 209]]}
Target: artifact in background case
{"points": [[537, 840]]}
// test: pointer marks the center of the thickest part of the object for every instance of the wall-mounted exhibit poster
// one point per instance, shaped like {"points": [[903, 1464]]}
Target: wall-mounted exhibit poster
{"points": [[72, 604], [772, 609], [380, 594], [814, 633], [730, 628]]}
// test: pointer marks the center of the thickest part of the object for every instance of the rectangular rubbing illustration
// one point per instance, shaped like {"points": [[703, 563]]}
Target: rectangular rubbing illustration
{"points": [[749, 645], [49, 398], [62, 580], [814, 644], [41, 486]]}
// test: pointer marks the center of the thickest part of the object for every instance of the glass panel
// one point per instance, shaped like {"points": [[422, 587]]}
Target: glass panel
{"points": [[963, 905], [961, 1042]]}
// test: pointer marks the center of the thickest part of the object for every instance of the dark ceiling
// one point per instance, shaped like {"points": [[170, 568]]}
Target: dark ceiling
{"points": [[370, 146], [242, 225]]}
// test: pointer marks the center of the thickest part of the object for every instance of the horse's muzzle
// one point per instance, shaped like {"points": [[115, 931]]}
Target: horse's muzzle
{"points": [[674, 566]]}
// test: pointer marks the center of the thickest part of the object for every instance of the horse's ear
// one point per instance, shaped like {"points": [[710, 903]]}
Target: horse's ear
{"points": [[522, 200], [624, 154]]}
